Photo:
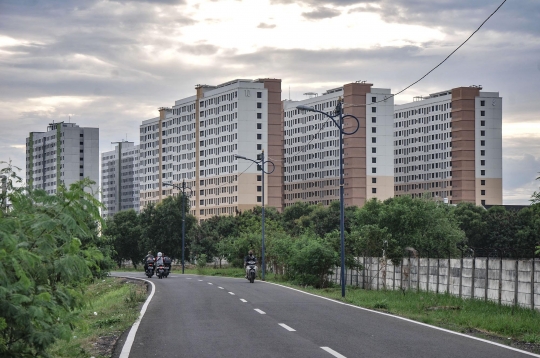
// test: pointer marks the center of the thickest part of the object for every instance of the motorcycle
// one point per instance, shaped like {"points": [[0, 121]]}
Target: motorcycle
{"points": [[251, 270], [160, 271], [167, 271], [149, 269]]}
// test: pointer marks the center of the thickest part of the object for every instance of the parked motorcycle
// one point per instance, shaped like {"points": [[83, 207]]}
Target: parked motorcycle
{"points": [[251, 270], [149, 269]]}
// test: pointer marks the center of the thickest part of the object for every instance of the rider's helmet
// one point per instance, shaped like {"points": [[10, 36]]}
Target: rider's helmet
{"points": [[149, 252], [159, 254], [250, 253]]}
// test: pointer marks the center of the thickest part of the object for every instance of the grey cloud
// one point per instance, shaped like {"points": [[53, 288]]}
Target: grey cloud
{"points": [[199, 49], [325, 2], [264, 25], [321, 13]]}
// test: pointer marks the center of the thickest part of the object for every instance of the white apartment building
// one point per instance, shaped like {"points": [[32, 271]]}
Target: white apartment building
{"points": [[196, 141], [120, 179], [311, 147], [64, 154], [449, 144]]}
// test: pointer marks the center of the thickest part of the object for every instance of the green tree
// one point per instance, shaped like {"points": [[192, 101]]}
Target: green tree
{"points": [[161, 227], [125, 232], [294, 215], [46, 255], [471, 219]]}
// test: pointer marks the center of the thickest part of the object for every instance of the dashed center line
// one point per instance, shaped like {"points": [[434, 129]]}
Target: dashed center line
{"points": [[287, 327], [210, 283], [333, 352], [260, 311], [243, 300], [200, 280], [231, 293], [221, 288]]}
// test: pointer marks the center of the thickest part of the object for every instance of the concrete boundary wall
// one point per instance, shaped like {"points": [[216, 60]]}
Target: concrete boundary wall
{"points": [[505, 281]]}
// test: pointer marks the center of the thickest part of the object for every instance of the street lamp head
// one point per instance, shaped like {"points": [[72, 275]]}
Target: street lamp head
{"points": [[305, 108], [241, 157]]}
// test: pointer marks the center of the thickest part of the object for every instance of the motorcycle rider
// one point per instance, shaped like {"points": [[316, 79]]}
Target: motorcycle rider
{"points": [[249, 257], [148, 258], [167, 261], [159, 259]]}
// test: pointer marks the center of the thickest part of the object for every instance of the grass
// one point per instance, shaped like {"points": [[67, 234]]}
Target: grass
{"points": [[113, 306]]}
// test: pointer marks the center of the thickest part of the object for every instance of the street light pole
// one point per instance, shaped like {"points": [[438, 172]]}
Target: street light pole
{"points": [[339, 113], [261, 163], [183, 189]]}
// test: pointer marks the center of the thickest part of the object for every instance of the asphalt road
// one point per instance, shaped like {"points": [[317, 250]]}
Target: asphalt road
{"points": [[202, 316]]}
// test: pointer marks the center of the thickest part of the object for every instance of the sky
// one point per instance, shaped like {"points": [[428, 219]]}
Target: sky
{"points": [[112, 63]]}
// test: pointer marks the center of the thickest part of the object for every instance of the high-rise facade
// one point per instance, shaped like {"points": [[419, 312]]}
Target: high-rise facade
{"points": [[120, 179], [311, 147], [196, 141], [64, 154], [449, 145]]}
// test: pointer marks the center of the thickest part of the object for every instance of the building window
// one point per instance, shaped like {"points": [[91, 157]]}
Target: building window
{"points": [[373, 170], [373, 139], [482, 152], [374, 160], [373, 180], [482, 182], [373, 129], [483, 133], [373, 109], [259, 125], [482, 142], [483, 202], [259, 94], [259, 115], [373, 150], [259, 146], [483, 113], [259, 199], [483, 123], [373, 99], [259, 105], [482, 172], [483, 103], [373, 119], [259, 136], [482, 162], [259, 188], [259, 178], [373, 190]]}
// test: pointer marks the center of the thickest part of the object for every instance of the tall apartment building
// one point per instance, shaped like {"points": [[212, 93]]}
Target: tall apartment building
{"points": [[311, 147], [120, 179], [449, 145], [196, 141], [64, 154]]}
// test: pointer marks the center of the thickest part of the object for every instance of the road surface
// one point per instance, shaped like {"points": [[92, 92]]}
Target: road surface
{"points": [[203, 316]]}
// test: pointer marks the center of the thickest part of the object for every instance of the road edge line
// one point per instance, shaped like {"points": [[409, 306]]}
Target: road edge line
{"points": [[126, 349], [409, 320]]}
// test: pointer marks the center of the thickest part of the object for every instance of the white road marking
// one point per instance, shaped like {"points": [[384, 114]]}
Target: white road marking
{"points": [[188, 278], [260, 311], [210, 283], [243, 300], [333, 352], [231, 293], [287, 327], [221, 288], [200, 280], [409, 320], [126, 349]]}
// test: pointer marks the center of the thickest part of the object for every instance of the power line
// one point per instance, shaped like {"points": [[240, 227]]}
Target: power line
{"points": [[246, 169], [447, 57]]}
